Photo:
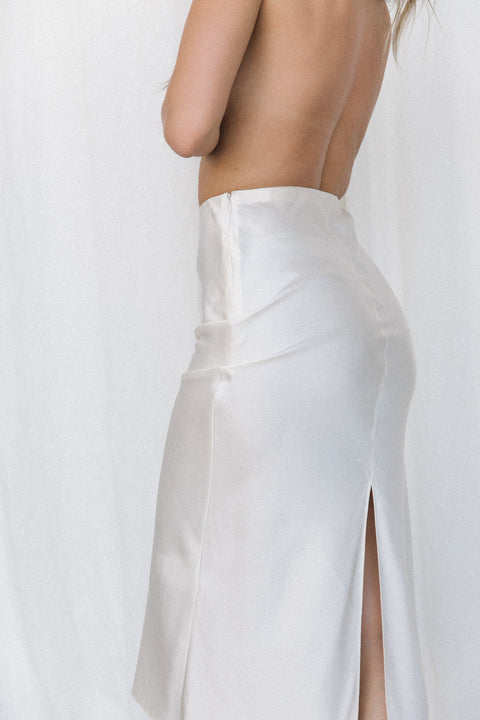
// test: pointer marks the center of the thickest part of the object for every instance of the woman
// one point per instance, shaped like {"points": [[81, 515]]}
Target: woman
{"points": [[267, 600]]}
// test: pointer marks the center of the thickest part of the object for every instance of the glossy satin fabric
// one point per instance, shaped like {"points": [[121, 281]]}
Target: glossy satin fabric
{"points": [[294, 404]]}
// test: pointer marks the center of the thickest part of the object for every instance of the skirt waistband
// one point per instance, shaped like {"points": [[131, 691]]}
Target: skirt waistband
{"points": [[253, 241], [291, 203], [271, 192]]}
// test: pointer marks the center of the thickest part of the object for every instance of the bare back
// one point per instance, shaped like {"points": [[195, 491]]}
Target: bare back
{"points": [[302, 98]]}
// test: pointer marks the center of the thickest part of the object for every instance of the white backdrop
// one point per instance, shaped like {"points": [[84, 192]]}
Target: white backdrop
{"points": [[98, 300]]}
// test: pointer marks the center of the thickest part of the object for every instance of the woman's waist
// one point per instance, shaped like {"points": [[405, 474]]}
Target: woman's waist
{"points": [[253, 244]]}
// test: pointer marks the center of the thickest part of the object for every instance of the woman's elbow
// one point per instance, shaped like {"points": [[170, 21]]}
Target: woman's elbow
{"points": [[188, 141]]}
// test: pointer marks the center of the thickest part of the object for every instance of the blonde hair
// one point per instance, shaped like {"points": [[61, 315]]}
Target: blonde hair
{"points": [[405, 11]]}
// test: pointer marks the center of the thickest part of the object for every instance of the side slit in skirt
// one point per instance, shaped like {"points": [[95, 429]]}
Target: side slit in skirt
{"points": [[292, 409]]}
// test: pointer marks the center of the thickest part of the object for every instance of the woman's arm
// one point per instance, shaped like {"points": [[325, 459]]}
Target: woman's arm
{"points": [[213, 42]]}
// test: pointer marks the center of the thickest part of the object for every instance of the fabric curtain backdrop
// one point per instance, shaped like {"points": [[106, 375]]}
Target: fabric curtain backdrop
{"points": [[99, 298]]}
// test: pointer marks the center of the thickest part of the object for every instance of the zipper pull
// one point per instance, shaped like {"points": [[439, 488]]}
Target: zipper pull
{"points": [[229, 198]]}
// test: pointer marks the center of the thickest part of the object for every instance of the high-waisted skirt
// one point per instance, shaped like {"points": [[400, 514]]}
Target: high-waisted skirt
{"points": [[292, 409]]}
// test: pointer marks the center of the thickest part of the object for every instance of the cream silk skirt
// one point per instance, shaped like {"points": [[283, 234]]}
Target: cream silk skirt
{"points": [[293, 406]]}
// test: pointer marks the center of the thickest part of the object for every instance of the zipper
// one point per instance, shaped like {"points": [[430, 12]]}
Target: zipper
{"points": [[230, 304]]}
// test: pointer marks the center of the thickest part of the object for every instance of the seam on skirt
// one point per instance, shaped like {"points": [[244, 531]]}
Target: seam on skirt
{"points": [[285, 351], [372, 483], [285, 291], [385, 341], [202, 548]]}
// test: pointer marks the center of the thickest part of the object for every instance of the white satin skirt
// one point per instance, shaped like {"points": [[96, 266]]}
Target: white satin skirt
{"points": [[292, 408]]}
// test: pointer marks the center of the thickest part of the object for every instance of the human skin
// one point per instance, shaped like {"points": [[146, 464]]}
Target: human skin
{"points": [[280, 92]]}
